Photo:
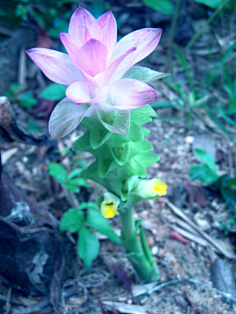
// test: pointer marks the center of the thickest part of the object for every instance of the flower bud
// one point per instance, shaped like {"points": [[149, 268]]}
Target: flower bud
{"points": [[151, 188], [109, 205]]}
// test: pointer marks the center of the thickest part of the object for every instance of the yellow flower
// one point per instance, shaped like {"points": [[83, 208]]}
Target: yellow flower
{"points": [[151, 188], [109, 205]]}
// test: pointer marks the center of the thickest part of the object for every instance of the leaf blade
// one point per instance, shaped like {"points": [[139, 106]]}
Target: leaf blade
{"points": [[88, 246], [72, 220], [95, 220]]}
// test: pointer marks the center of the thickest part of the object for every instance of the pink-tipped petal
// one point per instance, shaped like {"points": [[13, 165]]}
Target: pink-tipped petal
{"points": [[104, 77], [130, 94], [65, 117], [92, 57], [145, 40], [71, 46], [78, 92], [79, 22], [105, 30], [74, 52], [57, 66]]}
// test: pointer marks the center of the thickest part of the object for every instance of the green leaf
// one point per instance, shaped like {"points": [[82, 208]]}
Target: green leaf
{"points": [[207, 159], [79, 181], [88, 246], [28, 101], [163, 6], [96, 221], [144, 74], [192, 99], [87, 205], [220, 125], [60, 26], [185, 66], [72, 187], [33, 127], [53, 92], [58, 172], [74, 173], [72, 220], [229, 195], [214, 4], [203, 173], [227, 188]]}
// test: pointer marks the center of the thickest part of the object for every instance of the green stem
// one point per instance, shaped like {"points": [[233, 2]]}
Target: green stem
{"points": [[127, 221], [172, 32], [141, 259]]}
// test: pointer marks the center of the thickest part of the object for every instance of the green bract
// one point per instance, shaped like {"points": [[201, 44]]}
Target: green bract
{"points": [[118, 157]]}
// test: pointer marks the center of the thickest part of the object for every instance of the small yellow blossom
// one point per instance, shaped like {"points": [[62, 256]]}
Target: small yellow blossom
{"points": [[109, 205], [151, 188]]}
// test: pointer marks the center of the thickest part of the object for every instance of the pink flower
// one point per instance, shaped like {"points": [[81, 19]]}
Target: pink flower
{"points": [[99, 72]]}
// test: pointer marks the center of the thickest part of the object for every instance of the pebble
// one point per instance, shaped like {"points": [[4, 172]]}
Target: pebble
{"points": [[189, 139], [154, 250], [204, 224], [181, 301], [25, 159], [150, 241]]}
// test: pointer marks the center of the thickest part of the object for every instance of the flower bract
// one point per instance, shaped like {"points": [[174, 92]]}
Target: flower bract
{"points": [[99, 71]]}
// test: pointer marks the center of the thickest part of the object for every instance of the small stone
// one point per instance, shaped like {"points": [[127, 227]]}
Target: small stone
{"points": [[189, 139], [181, 301], [25, 159], [150, 241], [204, 224], [144, 300], [154, 250]]}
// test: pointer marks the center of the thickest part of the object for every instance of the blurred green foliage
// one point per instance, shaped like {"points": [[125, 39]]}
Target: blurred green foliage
{"points": [[214, 4], [72, 181], [53, 92], [75, 220], [163, 6], [207, 173], [25, 99]]}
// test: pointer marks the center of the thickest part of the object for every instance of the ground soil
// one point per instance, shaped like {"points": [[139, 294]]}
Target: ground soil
{"points": [[173, 141]]}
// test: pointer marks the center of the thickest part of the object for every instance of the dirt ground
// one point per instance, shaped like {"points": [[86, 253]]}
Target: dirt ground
{"points": [[69, 288]]}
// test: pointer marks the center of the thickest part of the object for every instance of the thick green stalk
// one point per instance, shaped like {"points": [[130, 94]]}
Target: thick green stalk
{"points": [[142, 261], [120, 163]]}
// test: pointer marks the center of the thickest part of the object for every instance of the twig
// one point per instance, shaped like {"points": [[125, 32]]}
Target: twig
{"points": [[8, 303], [22, 68], [70, 196], [178, 212], [192, 237], [172, 282], [6, 31]]}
